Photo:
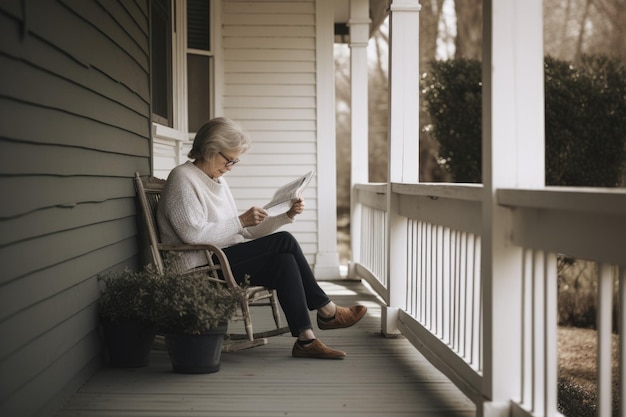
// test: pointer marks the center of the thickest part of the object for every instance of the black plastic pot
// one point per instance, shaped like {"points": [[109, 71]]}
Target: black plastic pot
{"points": [[196, 354], [127, 343]]}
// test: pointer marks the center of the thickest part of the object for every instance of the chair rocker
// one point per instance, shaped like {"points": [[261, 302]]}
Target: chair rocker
{"points": [[148, 193]]}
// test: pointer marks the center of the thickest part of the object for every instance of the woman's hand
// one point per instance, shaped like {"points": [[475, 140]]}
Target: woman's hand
{"points": [[296, 208], [253, 216]]}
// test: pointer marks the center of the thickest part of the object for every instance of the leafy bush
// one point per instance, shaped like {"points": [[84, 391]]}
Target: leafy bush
{"points": [[574, 400], [585, 119], [191, 303], [127, 295], [176, 302], [452, 97]]}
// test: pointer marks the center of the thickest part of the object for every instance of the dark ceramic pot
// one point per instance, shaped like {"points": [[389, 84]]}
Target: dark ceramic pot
{"points": [[196, 354], [127, 343]]}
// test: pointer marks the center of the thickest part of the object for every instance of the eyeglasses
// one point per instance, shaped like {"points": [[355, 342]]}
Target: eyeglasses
{"points": [[229, 162]]}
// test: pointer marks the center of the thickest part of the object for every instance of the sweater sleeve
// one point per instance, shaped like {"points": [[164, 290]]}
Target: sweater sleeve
{"points": [[269, 225], [198, 212]]}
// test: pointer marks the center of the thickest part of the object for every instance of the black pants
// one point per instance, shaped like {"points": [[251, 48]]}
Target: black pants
{"points": [[276, 261]]}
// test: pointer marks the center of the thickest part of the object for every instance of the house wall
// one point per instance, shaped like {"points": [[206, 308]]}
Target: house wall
{"points": [[269, 62], [74, 127]]}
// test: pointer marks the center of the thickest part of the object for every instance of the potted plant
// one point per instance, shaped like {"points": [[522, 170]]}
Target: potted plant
{"points": [[192, 312], [125, 309]]}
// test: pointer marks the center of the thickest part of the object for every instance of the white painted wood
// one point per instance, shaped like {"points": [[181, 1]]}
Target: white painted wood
{"points": [[404, 91], [526, 395], [512, 119], [470, 192], [359, 115], [604, 320], [403, 142], [275, 7], [170, 137], [217, 33], [436, 351], [550, 350], [271, 43], [179, 66], [166, 154], [284, 30], [538, 332], [582, 235], [272, 67], [327, 257], [442, 211], [275, 68], [236, 17]]}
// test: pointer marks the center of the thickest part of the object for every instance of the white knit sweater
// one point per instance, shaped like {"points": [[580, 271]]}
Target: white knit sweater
{"points": [[196, 209]]}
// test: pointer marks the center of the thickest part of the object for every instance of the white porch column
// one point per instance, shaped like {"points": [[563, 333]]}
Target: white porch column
{"points": [[513, 157], [403, 143], [327, 257], [359, 24]]}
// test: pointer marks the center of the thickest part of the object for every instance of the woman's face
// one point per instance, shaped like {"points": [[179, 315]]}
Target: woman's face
{"points": [[220, 163]]}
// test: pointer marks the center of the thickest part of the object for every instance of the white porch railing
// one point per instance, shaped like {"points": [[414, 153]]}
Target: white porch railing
{"points": [[442, 315], [373, 229]]}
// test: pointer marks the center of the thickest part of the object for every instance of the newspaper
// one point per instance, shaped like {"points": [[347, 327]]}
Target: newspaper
{"points": [[285, 195]]}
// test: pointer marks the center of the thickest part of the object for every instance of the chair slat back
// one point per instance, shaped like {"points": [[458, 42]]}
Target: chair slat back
{"points": [[149, 191]]}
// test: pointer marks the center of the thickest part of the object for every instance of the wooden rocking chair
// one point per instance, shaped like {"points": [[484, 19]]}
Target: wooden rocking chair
{"points": [[148, 193]]}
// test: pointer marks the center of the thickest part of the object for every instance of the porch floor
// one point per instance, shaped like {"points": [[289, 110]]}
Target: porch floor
{"points": [[379, 377]]}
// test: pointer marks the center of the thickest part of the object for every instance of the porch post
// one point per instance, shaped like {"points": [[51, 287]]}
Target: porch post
{"points": [[359, 24], [327, 257], [403, 144], [513, 157]]}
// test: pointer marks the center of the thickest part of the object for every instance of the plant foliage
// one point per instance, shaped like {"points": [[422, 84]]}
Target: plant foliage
{"points": [[452, 97], [191, 303], [585, 119], [127, 295]]}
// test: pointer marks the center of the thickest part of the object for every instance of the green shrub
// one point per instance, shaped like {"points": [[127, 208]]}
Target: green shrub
{"points": [[585, 119], [190, 303], [452, 96], [575, 400], [126, 295]]}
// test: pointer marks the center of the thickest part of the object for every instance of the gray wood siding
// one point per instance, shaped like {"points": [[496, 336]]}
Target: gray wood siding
{"points": [[74, 127], [270, 88]]}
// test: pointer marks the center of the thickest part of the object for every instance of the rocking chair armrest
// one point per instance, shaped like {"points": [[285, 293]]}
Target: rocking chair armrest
{"points": [[201, 269], [216, 251], [188, 247]]}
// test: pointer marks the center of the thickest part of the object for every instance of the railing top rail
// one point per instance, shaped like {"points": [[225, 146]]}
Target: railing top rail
{"points": [[372, 186], [470, 192], [572, 199]]}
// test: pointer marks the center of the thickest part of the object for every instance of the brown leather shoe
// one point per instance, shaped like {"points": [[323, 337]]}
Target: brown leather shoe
{"points": [[316, 349], [344, 317]]}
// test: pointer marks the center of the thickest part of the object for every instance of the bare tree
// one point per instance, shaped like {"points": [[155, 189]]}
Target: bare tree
{"points": [[378, 106], [469, 18], [609, 21], [581, 32], [576, 27]]}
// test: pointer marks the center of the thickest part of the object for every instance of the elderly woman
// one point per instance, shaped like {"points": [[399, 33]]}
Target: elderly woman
{"points": [[197, 207]]}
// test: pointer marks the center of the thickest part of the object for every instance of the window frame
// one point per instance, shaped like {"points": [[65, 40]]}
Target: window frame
{"points": [[210, 54], [178, 129], [165, 71]]}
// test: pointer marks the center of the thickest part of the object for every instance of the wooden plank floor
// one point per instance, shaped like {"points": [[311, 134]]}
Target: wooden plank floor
{"points": [[379, 377]]}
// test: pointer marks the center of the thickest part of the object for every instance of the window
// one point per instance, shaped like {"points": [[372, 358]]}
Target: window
{"points": [[182, 66], [199, 63], [161, 64]]}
